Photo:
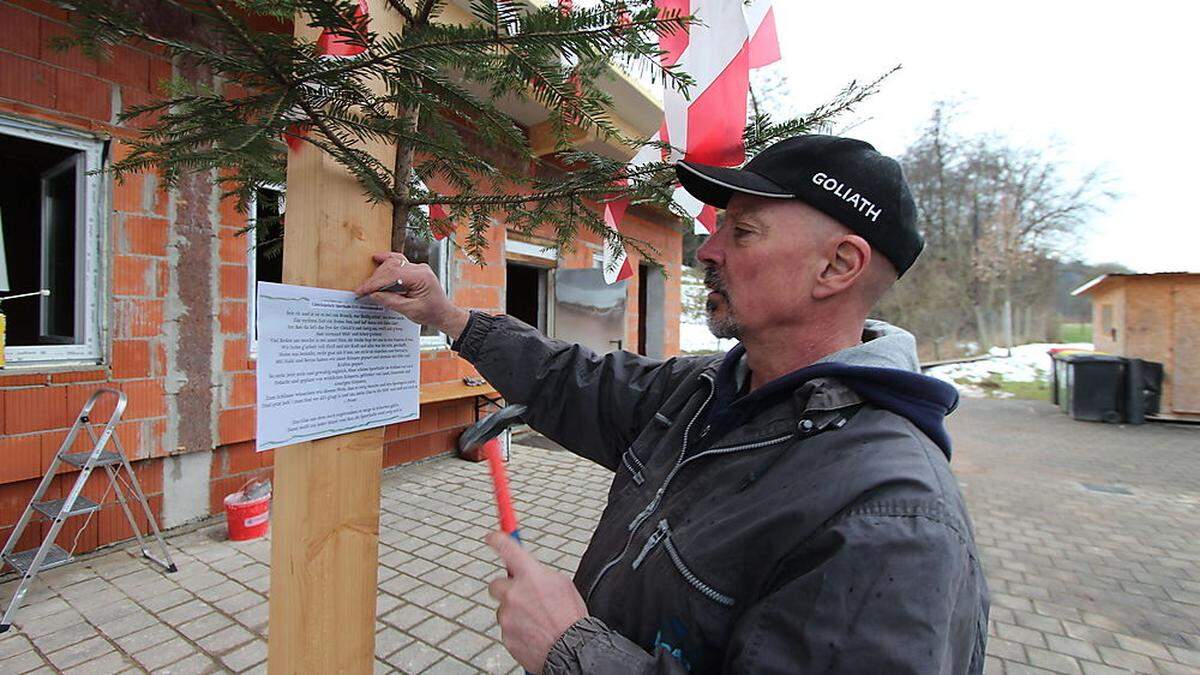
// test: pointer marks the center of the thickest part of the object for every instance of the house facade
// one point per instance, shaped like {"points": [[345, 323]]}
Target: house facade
{"points": [[151, 291]]}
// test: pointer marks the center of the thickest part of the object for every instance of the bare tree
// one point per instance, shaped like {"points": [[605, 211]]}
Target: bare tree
{"points": [[995, 216]]}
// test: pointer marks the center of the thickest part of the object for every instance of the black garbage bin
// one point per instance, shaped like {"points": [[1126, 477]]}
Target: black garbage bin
{"points": [[1143, 389], [1094, 387]]}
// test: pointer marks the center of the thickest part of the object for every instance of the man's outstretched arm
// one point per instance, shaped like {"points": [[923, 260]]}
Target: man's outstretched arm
{"points": [[593, 404]]}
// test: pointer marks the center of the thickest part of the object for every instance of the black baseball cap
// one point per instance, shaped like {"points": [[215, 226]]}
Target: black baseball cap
{"points": [[846, 179]]}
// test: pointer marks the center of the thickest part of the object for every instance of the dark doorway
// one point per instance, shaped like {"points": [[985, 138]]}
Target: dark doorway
{"points": [[651, 292], [525, 294], [643, 273], [41, 215]]}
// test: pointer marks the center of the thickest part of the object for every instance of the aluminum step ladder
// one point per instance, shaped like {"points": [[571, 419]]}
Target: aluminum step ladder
{"points": [[49, 555]]}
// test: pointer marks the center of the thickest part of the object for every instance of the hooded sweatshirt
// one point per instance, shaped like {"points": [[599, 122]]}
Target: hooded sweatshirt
{"points": [[883, 370]]}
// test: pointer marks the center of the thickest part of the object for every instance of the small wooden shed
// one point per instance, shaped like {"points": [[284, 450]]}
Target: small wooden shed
{"points": [[1155, 317]]}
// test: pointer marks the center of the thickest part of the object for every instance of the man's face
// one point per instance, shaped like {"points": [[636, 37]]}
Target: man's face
{"points": [[760, 264]]}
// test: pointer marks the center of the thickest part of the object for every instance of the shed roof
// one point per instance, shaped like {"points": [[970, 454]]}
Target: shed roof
{"points": [[1105, 279]]}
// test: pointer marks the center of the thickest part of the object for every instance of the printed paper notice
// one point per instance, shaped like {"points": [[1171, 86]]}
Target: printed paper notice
{"points": [[330, 363]]}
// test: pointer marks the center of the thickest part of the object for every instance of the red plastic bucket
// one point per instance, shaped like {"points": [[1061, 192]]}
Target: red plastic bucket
{"points": [[247, 520]]}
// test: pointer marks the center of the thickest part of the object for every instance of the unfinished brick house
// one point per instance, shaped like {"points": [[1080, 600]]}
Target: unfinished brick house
{"points": [[1153, 317], [151, 290]]}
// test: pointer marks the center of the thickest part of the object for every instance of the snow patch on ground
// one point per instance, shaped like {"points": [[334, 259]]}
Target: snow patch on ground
{"points": [[694, 335], [1028, 363]]}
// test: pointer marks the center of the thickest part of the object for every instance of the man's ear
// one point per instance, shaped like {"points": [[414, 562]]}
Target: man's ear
{"points": [[849, 257]]}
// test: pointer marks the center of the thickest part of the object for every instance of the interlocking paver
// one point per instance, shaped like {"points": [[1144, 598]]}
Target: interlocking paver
{"points": [[451, 606], [415, 658], [1044, 624], [205, 625], [112, 662], [1070, 647], [245, 657], [1189, 657], [1090, 668], [1090, 561], [80, 652], [225, 639], [186, 612], [130, 623], [406, 617], [196, 664], [1052, 661], [465, 644], [147, 637], [433, 630], [24, 662], [389, 640], [451, 666], [168, 600], [254, 617], [1026, 636], [65, 637], [163, 654]]}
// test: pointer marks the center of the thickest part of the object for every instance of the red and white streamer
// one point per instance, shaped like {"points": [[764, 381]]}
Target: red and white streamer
{"points": [[616, 261], [729, 40]]}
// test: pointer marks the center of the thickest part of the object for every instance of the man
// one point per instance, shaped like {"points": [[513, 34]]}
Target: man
{"points": [[786, 508]]}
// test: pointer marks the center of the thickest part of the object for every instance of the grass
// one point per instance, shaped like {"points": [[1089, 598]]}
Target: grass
{"points": [[1075, 332], [995, 386]]}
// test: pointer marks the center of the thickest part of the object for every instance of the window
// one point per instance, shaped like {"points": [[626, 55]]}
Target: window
{"points": [[436, 254], [265, 259], [50, 206]]}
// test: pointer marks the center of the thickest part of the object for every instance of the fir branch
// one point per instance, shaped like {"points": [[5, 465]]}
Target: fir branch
{"points": [[348, 155]]}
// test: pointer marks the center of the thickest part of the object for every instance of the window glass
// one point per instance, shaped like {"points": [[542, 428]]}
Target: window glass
{"points": [[50, 232], [58, 192], [432, 252], [266, 257]]}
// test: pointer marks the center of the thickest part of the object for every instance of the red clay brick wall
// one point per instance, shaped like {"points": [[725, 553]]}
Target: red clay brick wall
{"points": [[37, 407], [67, 89]]}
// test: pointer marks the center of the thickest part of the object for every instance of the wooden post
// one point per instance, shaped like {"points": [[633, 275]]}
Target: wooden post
{"points": [[325, 517]]}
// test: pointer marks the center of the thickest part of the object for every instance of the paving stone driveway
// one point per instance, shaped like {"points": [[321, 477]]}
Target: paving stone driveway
{"points": [[112, 613], [1083, 580]]}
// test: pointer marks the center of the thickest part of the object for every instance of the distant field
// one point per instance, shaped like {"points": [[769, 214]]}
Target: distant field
{"points": [[1075, 332]]}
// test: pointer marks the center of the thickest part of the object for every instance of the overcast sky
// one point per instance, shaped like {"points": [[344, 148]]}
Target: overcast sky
{"points": [[1110, 84]]}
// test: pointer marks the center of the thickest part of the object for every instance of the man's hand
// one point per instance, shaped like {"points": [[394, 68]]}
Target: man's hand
{"points": [[422, 299], [537, 604]]}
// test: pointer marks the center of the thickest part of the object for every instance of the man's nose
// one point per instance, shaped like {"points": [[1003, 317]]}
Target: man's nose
{"points": [[710, 252]]}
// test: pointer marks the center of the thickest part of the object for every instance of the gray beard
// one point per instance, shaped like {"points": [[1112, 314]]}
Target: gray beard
{"points": [[725, 327], [728, 327]]}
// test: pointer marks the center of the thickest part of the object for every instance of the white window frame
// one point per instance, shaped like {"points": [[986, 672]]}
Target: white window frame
{"points": [[441, 340], [89, 268], [252, 266], [428, 342]]}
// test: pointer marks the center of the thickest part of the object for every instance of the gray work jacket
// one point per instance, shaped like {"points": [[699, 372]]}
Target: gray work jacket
{"points": [[823, 535]]}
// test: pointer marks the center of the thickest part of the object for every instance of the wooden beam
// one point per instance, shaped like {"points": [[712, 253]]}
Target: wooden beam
{"points": [[542, 140], [325, 520]]}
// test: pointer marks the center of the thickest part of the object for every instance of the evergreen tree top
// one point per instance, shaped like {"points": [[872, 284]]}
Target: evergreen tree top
{"points": [[432, 90]]}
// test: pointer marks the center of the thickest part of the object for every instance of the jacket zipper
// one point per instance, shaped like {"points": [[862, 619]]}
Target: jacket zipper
{"points": [[663, 534], [679, 464], [655, 537], [639, 518], [654, 503]]}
